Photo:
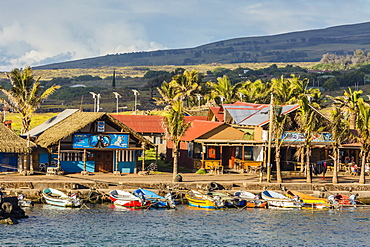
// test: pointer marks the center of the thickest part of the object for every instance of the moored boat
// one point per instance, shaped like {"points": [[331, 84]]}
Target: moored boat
{"points": [[202, 200], [228, 201], [23, 202], [58, 198], [276, 199], [156, 200], [344, 200], [251, 200], [308, 200], [127, 199]]}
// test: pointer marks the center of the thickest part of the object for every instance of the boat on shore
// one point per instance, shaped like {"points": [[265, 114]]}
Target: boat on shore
{"points": [[202, 200], [58, 198], [127, 199], [276, 199], [308, 200], [156, 201], [251, 200]]}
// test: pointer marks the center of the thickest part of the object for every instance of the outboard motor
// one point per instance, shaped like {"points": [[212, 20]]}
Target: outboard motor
{"points": [[352, 199], [218, 201], [332, 200], [170, 200]]}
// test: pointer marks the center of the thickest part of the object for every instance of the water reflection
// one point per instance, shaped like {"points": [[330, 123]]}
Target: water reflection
{"points": [[104, 225]]}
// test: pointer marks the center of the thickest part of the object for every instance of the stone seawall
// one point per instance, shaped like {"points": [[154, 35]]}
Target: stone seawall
{"points": [[33, 190]]}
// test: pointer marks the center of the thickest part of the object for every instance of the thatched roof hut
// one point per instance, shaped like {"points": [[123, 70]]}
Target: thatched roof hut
{"points": [[12, 143], [76, 122]]}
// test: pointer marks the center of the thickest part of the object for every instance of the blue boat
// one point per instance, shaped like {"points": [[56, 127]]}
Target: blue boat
{"points": [[156, 200]]}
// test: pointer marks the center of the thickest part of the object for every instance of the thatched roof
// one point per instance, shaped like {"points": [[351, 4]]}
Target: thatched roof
{"points": [[76, 122], [12, 143]]}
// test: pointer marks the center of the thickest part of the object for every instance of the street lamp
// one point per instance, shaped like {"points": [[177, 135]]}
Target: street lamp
{"points": [[98, 102], [117, 96], [199, 97], [222, 99], [136, 93], [94, 96], [241, 95]]}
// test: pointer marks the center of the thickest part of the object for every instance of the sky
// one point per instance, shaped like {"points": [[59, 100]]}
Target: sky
{"points": [[49, 31]]}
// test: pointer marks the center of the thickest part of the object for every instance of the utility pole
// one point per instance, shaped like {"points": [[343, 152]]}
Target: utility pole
{"points": [[269, 140]]}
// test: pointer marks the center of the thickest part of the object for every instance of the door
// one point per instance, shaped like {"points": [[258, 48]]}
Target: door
{"points": [[103, 161]]}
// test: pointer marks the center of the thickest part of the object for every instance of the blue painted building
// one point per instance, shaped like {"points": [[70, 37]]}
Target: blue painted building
{"points": [[89, 141]]}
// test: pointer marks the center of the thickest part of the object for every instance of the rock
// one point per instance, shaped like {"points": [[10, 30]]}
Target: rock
{"points": [[8, 221]]}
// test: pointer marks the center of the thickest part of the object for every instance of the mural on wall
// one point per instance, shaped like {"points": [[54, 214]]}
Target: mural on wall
{"points": [[291, 136], [90, 140]]}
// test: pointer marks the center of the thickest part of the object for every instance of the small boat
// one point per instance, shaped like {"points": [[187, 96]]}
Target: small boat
{"points": [[251, 200], [344, 200], [308, 200], [202, 200], [23, 202], [228, 201], [58, 198], [276, 199], [127, 199], [156, 200]]}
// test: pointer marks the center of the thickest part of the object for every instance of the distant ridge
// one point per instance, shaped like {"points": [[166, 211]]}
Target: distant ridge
{"points": [[302, 46]]}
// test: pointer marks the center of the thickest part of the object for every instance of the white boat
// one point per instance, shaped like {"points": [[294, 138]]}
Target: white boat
{"points": [[23, 202], [276, 199], [59, 198], [127, 199]]}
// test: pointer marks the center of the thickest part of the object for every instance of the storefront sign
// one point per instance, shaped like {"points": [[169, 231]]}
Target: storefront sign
{"points": [[100, 141], [291, 136]]}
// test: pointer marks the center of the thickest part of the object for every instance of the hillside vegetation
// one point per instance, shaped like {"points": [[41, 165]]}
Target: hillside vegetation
{"points": [[303, 46]]}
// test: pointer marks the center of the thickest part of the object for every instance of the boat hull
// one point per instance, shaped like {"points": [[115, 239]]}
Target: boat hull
{"points": [[275, 199], [57, 198], [200, 200], [126, 199]]}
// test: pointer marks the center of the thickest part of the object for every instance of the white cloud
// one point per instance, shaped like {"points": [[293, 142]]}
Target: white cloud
{"points": [[49, 31]]}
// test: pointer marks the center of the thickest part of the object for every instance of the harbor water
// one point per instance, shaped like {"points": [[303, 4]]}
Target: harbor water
{"points": [[106, 225]]}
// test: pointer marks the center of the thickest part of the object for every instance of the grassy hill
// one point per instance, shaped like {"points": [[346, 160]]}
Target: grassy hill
{"points": [[303, 46]]}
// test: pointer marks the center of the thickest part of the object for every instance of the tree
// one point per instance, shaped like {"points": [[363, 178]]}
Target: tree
{"points": [[223, 88], [279, 124], [339, 129], [363, 135], [25, 95], [349, 101], [175, 126], [308, 125]]}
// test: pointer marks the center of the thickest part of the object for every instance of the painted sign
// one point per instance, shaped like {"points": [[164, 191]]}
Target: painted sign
{"points": [[300, 137], [101, 126], [100, 140]]}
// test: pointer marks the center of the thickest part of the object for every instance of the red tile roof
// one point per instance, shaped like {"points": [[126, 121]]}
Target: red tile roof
{"points": [[199, 128], [218, 112], [149, 123]]}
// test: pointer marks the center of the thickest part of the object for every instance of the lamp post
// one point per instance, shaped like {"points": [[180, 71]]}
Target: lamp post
{"points": [[98, 102], [241, 95], [117, 96], [94, 96], [136, 93], [199, 97], [222, 99]]}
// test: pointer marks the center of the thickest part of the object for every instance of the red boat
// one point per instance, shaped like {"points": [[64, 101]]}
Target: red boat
{"points": [[127, 199]]}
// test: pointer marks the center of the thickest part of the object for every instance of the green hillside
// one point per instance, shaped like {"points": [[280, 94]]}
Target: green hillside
{"points": [[302, 46]]}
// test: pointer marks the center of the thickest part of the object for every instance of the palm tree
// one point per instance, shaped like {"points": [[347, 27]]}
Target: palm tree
{"points": [[25, 94], [224, 89], [175, 127], [279, 124], [168, 93], [339, 129], [256, 92], [307, 122], [349, 101], [186, 85], [363, 135]]}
